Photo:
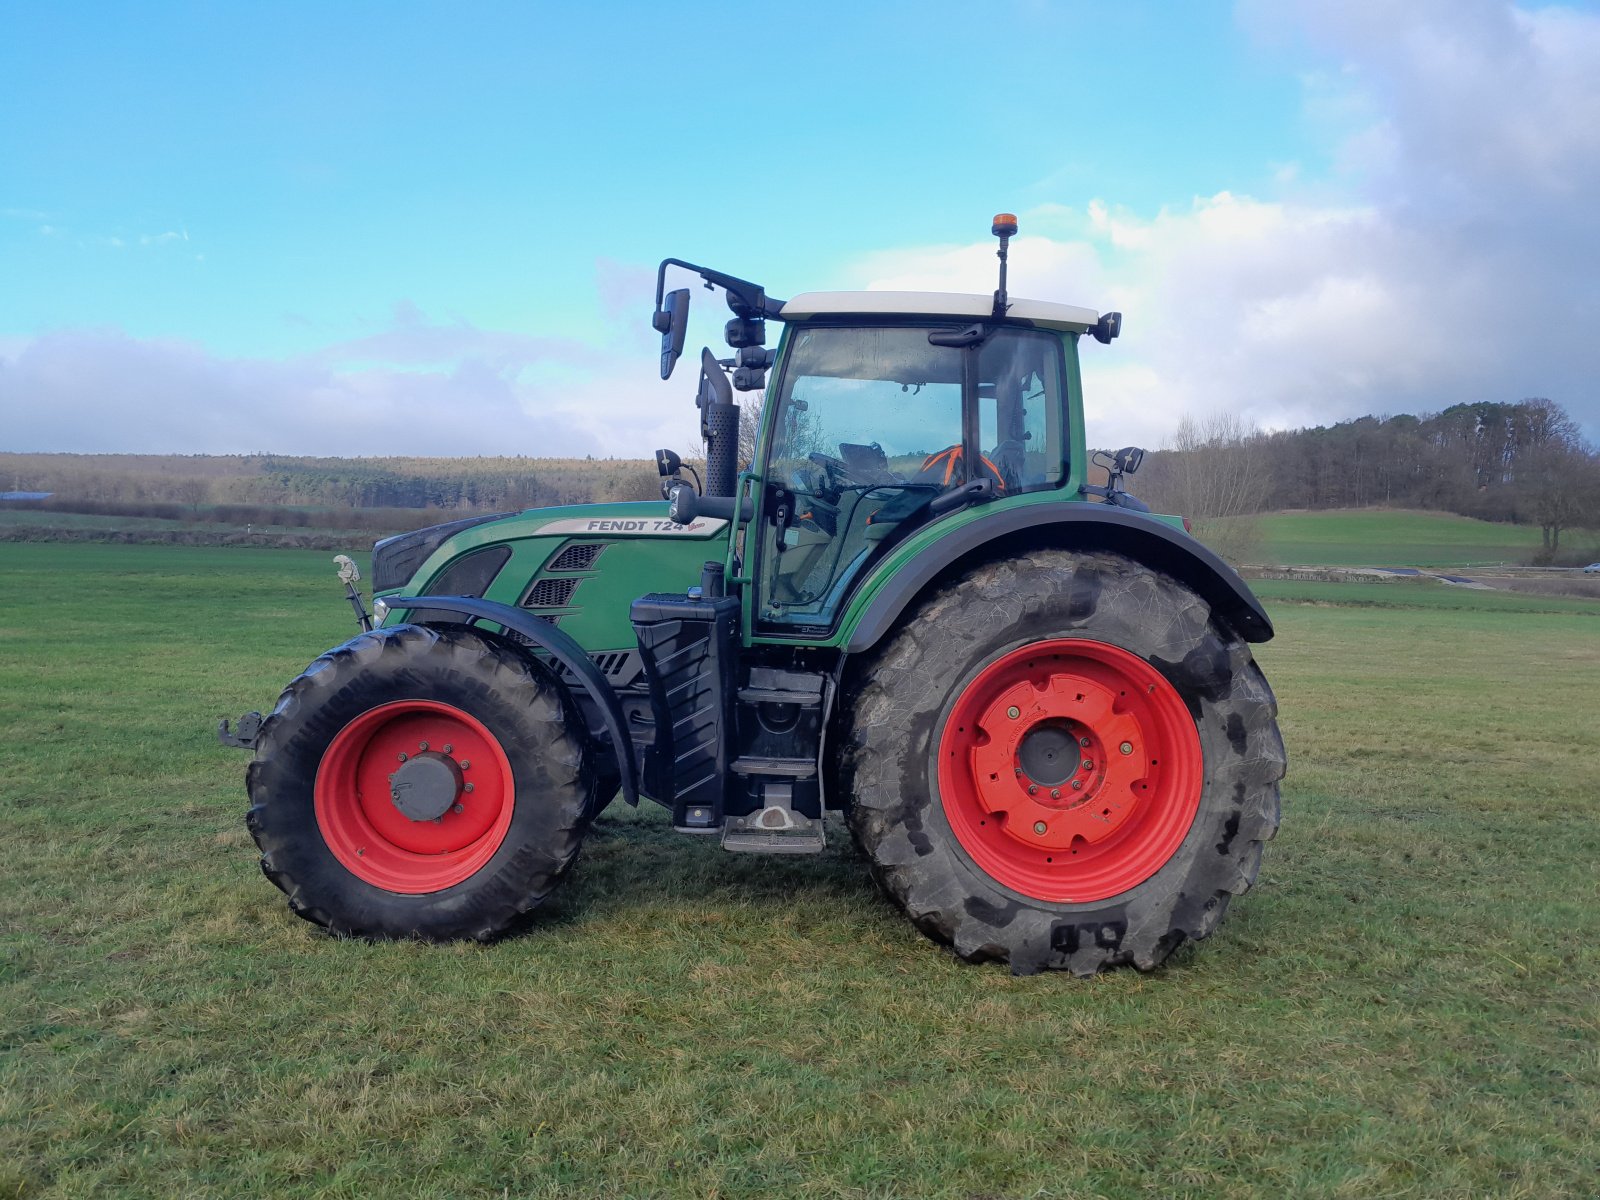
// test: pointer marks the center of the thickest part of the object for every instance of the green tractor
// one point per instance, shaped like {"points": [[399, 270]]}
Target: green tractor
{"points": [[1033, 700]]}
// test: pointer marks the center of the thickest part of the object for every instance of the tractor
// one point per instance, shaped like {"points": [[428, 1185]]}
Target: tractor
{"points": [[1032, 700]]}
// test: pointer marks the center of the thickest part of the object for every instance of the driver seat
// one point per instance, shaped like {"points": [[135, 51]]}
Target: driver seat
{"points": [[944, 469]]}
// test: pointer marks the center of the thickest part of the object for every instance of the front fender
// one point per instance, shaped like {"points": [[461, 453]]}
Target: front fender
{"points": [[1017, 529], [561, 647]]}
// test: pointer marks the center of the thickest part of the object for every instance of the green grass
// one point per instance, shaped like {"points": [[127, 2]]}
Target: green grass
{"points": [[34, 518], [1420, 593], [1408, 1004], [51, 521], [1395, 538]]}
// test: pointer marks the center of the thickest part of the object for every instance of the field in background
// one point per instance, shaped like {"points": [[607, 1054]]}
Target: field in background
{"points": [[1406, 1005], [1376, 537]]}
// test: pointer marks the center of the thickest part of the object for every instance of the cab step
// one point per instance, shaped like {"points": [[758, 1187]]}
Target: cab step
{"points": [[774, 829], [782, 768], [749, 839]]}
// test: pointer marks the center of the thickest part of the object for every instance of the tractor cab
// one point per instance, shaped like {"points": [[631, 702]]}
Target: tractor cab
{"points": [[885, 411], [890, 409]]}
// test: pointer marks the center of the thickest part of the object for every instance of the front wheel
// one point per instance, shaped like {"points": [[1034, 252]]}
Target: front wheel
{"points": [[1063, 762], [418, 782]]}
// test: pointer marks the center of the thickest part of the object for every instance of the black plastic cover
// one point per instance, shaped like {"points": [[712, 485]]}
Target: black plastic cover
{"points": [[689, 647]]}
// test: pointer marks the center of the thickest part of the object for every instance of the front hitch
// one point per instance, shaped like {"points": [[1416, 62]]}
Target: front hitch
{"points": [[243, 737]]}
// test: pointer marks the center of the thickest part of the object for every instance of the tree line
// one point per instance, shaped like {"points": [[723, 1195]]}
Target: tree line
{"points": [[1524, 462], [129, 484]]}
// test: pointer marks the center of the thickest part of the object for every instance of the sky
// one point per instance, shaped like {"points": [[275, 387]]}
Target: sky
{"points": [[413, 228]]}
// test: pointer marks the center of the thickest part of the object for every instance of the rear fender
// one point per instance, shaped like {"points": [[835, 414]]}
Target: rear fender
{"points": [[1073, 525], [561, 647]]}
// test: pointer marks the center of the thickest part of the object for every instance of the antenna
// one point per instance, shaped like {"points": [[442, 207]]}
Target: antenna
{"points": [[1004, 228]]}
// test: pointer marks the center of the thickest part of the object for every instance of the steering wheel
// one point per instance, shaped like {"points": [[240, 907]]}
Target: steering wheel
{"points": [[838, 470], [834, 466]]}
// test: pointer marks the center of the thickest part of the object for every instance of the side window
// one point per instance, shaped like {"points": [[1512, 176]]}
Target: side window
{"points": [[1020, 408]]}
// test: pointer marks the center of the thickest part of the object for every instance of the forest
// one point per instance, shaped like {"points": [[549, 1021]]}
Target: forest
{"points": [[1524, 462]]}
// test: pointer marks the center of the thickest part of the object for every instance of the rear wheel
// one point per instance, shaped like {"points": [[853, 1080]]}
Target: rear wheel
{"points": [[420, 782], [1063, 762]]}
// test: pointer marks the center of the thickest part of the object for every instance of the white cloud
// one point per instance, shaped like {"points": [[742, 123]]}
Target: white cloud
{"points": [[415, 385], [1229, 302], [1452, 257]]}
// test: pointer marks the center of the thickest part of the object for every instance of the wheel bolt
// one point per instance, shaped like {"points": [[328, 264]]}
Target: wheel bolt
{"points": [[422, 745], [1084, 742], [1126, 747], [466, 787], [1055, 793], [1040, 827], [1077, 785], [1033, 789], [465, 764], [1016, 770], [1013, 712], [402, 758], [449, 749], [1088, 764], [457, 808]]}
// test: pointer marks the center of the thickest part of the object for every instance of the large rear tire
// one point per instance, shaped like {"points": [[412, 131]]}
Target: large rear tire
{"points": [[1063, 762], [417, 782]]}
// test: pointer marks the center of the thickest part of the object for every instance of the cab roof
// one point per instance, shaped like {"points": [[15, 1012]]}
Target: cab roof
{"points": [[1043, 313]]}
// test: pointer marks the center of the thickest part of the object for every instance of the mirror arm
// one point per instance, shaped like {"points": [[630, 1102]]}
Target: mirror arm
{"points": [[745, 298]]}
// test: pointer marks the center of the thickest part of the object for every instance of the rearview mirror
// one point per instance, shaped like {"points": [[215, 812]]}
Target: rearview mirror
{"points": [[671, 321], [1107, 327]]}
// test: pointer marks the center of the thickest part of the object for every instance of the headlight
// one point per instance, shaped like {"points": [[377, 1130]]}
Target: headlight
{"points": [[380, 613]]}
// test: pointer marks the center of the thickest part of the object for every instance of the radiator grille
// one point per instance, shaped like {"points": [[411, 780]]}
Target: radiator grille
{"points": [[551, 593], [579, 556]]}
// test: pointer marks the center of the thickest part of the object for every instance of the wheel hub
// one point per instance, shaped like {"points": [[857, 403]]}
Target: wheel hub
{"points": [[1048, 754], [414, 796], [425, 787], [1031, 767]]}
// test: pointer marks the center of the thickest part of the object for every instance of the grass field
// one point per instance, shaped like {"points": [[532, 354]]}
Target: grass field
{"points": [[1407, 1005], [1423, 593], [1372, 537]]}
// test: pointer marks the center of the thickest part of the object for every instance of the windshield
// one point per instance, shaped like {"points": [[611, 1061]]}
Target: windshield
{"points": [[862, 387]]}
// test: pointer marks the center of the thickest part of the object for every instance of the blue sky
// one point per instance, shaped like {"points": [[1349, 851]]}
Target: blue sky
{"points": [[431, 228]]}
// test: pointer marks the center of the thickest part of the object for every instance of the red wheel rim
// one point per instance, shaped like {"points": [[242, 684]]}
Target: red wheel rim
{"points": [[1017, 792], [359, 815]]}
